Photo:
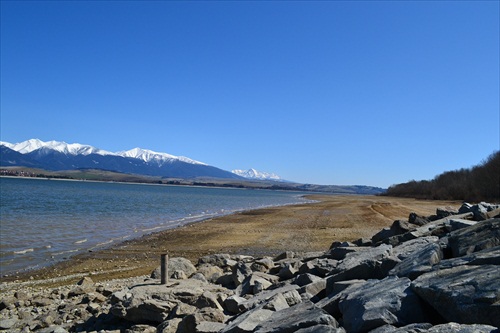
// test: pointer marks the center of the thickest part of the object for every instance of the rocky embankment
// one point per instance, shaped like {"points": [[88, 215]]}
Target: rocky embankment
{"points": [[426, 274]]}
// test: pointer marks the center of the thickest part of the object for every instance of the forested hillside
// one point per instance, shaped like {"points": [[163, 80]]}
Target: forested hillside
{"points": [[479, 183]]}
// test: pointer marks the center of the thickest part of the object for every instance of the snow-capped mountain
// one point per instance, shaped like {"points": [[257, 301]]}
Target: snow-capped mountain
{"points": [[152, 156], [254, 174], [62, 147], [56, 155]]}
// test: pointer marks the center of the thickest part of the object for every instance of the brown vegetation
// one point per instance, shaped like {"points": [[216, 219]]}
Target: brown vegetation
{"points": [[479, 183]]}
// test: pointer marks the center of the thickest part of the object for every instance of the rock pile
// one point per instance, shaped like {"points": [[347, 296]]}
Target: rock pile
{"points": [[425, 274]]}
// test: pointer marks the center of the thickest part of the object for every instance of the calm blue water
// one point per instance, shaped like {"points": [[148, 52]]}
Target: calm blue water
{"points": [[44, 221]]}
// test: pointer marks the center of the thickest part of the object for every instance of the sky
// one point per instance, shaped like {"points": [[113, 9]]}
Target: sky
{"points": [[323, 92]]}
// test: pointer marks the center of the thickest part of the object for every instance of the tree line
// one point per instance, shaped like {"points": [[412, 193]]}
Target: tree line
{"points": [[479, 183]]}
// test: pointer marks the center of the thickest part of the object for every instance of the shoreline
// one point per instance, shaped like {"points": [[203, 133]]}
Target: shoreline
{"points": [[303, 227]]}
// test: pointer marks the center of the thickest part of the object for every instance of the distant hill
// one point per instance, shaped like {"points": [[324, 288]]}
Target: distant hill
{"points": [[479, 183]]}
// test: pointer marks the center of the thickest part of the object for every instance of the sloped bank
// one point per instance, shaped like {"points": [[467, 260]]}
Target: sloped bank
{"points": [[426, 274]]}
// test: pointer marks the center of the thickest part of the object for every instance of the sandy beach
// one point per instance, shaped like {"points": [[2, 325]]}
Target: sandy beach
{"points": [[262, 232]]}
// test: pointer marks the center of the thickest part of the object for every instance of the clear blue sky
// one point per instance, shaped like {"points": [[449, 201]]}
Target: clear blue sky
{"points": [[363, 92]]}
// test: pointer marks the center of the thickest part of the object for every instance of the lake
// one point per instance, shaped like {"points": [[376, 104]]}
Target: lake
{"points": [[45, 221]]}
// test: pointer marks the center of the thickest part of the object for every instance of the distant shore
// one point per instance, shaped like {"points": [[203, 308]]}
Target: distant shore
{"points": [[269, 231]]}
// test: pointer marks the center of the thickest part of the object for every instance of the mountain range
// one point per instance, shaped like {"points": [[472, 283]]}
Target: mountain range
{"points": [[57, 156]]}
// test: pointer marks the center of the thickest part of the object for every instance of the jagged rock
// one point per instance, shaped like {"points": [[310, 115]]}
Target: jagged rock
{"points": [[256, 282], [285, 255], [199, 277], [413, 218], [461, 223], [445, 211], [419, 262], [179, 275], [458, 328], [292, 297], [475, 238], [219, 260], [463, 294], [232, 304], [411, 328], [182, 309], [372, 264], [268, 294], [288, 271], [406, 249], [320, 267], [240, 271], [6, 324], [248, 321], [380, 302], [141, 329], [209, 327], [381, 235], [485, 257], [176, 264], [169, 326], [311, 285], [153, 303], [263, 265], [339, 253], [331, 302], [53, 329], [291, 319], [276, 303], [191, 322], [86, 282], [321, 329], [435, 228]]}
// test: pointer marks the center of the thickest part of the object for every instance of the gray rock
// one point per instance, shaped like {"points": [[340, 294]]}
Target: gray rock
{"points": [[413, 218], [300, 316], [377, 303], [240, 272], [266, 295], [248, 321], [406, 249], [419, 262], [485, 257], [285, 255], [339, 253], [314, 290], [372, 264], [292, 297], [169, 326], [475, 238], [463, 294], [176, 264], [153, 303], [461, 223], [232, 304], [256, 282], [288, 271], [276, 303], [321, 329], [219, 260], [331, 302], [6, 324], [458, 328], [209, 327], [412, 328]]}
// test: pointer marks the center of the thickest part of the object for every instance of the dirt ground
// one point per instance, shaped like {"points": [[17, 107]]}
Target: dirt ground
{"points": [[261, 232]]}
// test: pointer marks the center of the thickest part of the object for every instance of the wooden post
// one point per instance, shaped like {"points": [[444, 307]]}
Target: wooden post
{"points": [[164, 268]]}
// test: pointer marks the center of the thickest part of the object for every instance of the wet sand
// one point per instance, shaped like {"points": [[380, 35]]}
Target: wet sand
{"points": [[270, 231]]}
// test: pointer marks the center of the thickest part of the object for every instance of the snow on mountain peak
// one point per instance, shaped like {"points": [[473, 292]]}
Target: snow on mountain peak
{"points": [[151, 156], [254, 174]]}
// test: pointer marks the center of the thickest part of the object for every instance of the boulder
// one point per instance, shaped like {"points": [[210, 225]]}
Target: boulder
{"points": [[380, 302], [464, 294], [240, 272], [485, 257], [232, 304], [210, 272], [219, 260], [176, 264], [372, 264], [458, 328], [148, 303], [291, 319], [406, 249], [411, 328], [475, 238], [248, 321], [418, 262]]}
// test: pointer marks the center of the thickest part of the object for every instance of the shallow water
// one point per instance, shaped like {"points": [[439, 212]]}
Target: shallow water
{"points": [[45, 221]]}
